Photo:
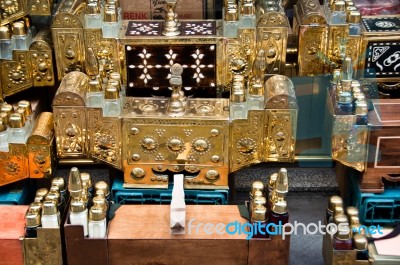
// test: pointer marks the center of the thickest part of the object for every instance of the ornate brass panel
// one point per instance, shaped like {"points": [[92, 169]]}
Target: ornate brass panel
{"points": [[236, 62], [312, 49], [70, 116], [106, 50], [70, 130], [40, 7], [41, 155], [353, 49], [280, 135], [69, 45], [247, 39], [337, 37], [16, 74], [195, 144], [13, 164], [42, 59], [104, 134], [272, 35], [246, 141], [11, 10]]}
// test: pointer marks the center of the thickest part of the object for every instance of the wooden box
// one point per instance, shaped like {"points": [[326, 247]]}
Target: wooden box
{"points": [[383, 145], [140, 234], [12, 227], [80, 248]]}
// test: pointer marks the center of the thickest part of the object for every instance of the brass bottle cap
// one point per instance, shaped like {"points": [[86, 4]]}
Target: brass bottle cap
{"points": [[345, 98], [102, 185], [272, 181], [92, 8], [4, 118], [340, 218], [32, 219], [86, 180], [279, 207], [259, 214], [360, 242], [49, 207], [259, 200], [349, 3], [7, 108], [38, 199], [256, 193], [95, 85], [100, 201], [54, 188], [115, 83], [256, 89], [115, 76], [354, 220], [60, 182], [22, 112], [355, 84], [248, 8], [344, 232], [231, 13], [257, 185], [333, 202], [16, 120], [5, 33], [281, 184], [3, 126], [53, 195], [75, 183], [42, 192], [339, 6], [77, 205], [110, 16], [111, 93], [351, 211], [35, 207], [96, 213], [238, 96], [337, 210], [354, 17], [26, 106], [361, 107], [18, 28]]}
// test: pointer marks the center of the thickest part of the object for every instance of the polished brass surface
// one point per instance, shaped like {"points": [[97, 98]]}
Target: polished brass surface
{"points": [[68, 38], [40, 7], [311, 27], [272, 35], [41, 50], [16, 74], [12, 10], [195, 142], [70, 116], [40, 144], [336, 47]]}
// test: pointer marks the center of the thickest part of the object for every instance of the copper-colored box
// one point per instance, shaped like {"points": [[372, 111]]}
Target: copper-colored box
{"points": [[12, 227], [141, 233], [80, 248]]}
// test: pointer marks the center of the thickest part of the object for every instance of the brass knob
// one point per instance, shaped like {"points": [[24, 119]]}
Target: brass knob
{"points": [[176, 145], [137, 173], [149, 144], [200, 145], [212, 175]]}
